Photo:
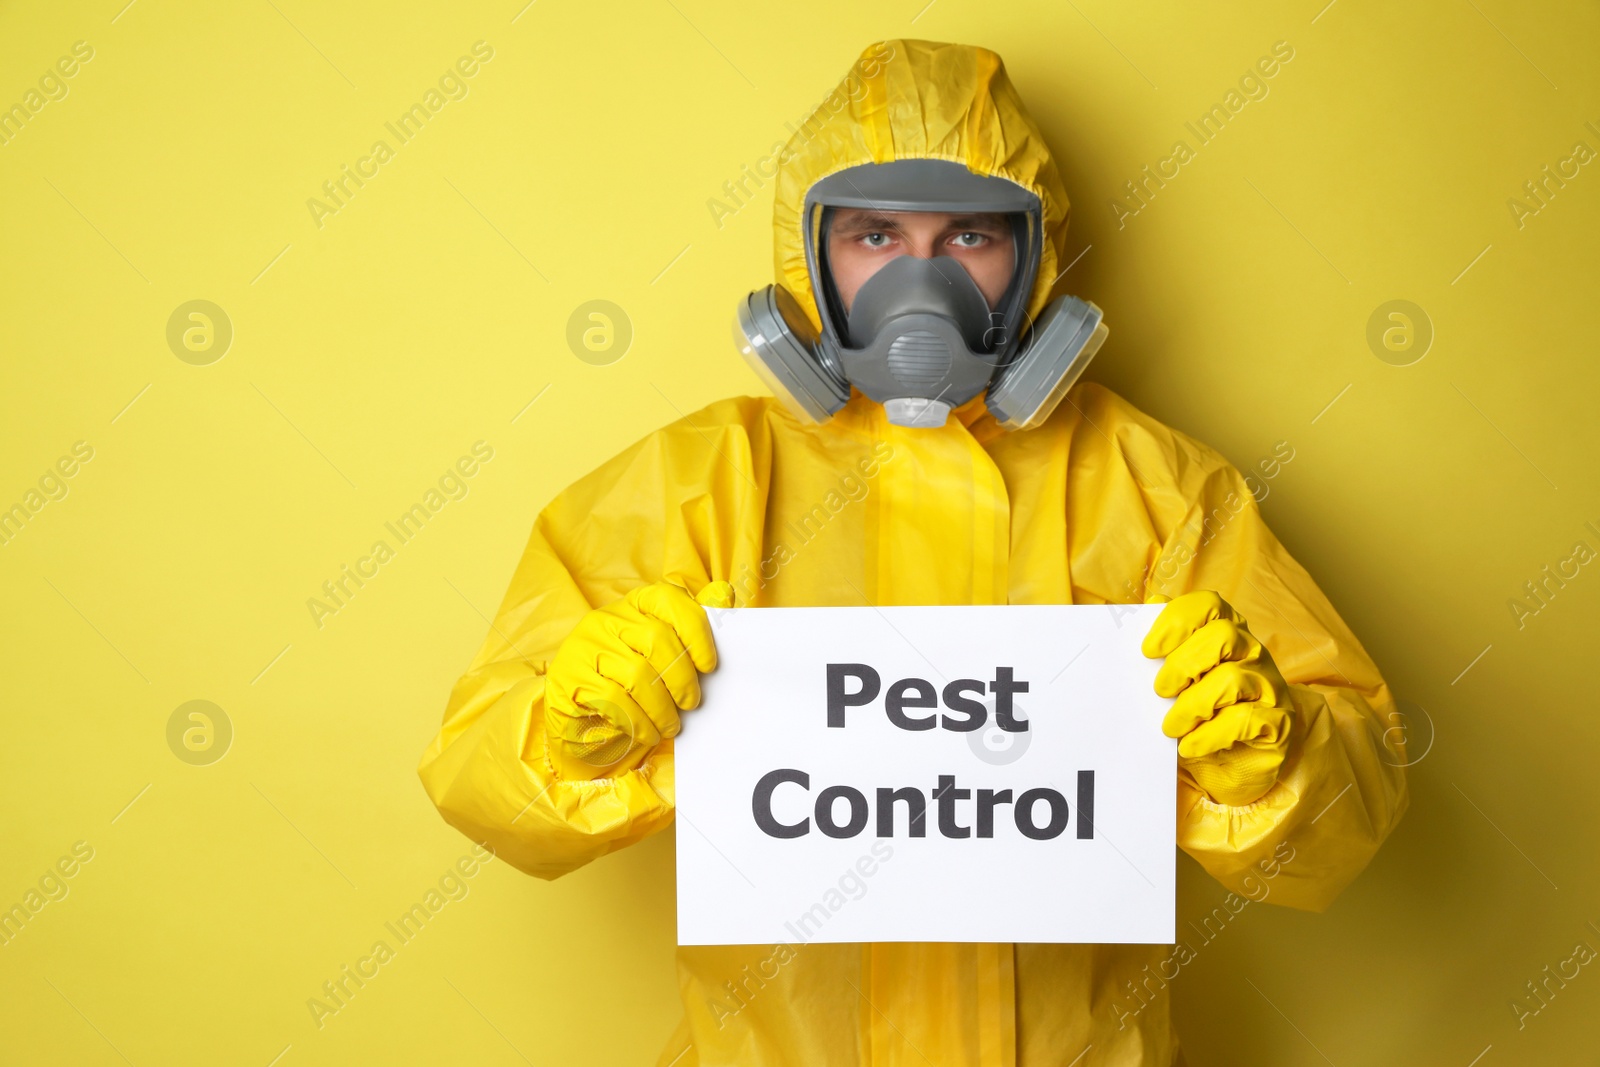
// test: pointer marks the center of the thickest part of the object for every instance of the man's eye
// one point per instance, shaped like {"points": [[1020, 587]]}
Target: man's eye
{"points": [[875, 240], [970, 240]]}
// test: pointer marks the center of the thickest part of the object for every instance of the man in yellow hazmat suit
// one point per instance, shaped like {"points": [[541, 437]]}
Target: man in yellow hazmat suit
{"points": [[556, 746]]}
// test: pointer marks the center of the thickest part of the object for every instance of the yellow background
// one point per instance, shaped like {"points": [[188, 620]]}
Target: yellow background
{"points": [[432, 308]]}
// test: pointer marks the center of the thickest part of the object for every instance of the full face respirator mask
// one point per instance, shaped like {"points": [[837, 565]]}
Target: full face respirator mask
{"points": [[920, 337]]}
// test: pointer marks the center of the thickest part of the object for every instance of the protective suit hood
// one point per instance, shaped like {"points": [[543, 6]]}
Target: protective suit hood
{"points": [[918, 100], [920, 126]]}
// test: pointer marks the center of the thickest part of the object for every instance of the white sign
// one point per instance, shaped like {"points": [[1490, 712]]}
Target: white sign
{"points": [[985, 773]]}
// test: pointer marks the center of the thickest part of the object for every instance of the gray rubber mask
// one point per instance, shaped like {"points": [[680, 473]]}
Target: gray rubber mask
{"points": [[920, 337], [920, 326]]}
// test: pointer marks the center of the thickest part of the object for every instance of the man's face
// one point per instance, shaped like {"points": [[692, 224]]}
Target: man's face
{"points": [[860, 241]]}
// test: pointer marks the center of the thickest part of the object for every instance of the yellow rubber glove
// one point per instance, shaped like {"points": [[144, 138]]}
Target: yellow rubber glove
{"points": [[1233, 715], [617, 681]]}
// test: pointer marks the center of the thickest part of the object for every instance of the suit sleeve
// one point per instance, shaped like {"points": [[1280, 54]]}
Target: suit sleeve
{"points": [[1342, 789], [647, 515], [1174, 516]]}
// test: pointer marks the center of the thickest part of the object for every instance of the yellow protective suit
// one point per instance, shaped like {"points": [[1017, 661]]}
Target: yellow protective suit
{"points": [[1101, 504]]}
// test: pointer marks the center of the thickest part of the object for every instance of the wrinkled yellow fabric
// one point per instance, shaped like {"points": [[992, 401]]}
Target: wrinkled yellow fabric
{"points": [[1101, 504]]}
